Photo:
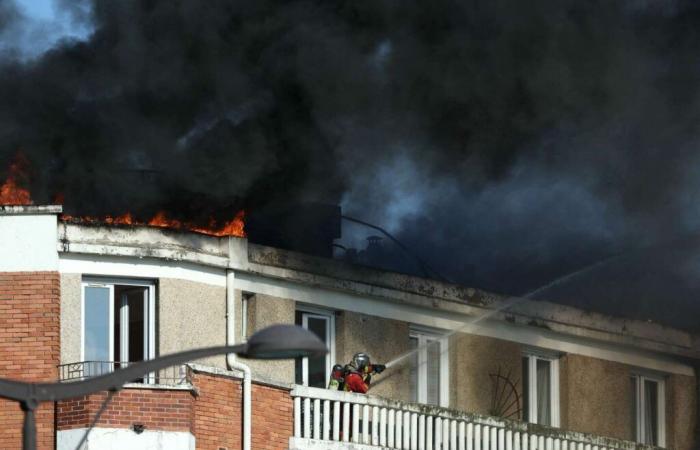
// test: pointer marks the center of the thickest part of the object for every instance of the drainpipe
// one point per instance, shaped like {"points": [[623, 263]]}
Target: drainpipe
{"points": [[231, 360]]}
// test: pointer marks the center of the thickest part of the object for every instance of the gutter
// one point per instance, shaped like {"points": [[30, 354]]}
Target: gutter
{"points": [[233, 362]]}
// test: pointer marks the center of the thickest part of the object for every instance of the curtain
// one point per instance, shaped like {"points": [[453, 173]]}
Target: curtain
{"points": [[433, 351], [544, 394], [413, 369], [650, 412]]}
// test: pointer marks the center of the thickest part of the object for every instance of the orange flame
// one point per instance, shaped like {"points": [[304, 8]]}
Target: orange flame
{"points": [[10, 192], [234, 227]]}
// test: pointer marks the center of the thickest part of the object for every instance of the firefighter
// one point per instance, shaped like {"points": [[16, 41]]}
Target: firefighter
{"points": [[337, 381], [358, 374]]}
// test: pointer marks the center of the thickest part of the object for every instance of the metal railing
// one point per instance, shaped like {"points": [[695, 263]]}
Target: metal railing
{"points": [[171, 376], [340, 420]]}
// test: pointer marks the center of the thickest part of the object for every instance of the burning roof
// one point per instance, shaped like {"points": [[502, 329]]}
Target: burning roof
{"points": [[12, 192]]}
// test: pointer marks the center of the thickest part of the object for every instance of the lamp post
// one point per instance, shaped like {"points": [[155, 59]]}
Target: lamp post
{"points": [[274, 342]]}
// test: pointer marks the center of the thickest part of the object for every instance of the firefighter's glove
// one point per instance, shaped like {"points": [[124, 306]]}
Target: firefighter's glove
{"points": [[378, 368]]}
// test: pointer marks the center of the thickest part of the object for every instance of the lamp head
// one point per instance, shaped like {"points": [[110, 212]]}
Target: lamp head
{"points": [[283, 342]]}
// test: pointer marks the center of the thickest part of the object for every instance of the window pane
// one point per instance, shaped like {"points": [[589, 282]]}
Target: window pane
{"points": [[651, 425], [317, 365], [544, 394], [634, 408], [526, 389], [433, 382], [97, 329], [298, 376], [137, 337], [413, 368]]}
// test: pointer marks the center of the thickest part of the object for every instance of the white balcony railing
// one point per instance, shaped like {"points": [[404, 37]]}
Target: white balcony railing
{"points": [[334, 420]]}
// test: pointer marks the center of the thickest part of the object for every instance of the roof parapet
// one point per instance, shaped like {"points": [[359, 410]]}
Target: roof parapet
{"points": [[29, 210]]}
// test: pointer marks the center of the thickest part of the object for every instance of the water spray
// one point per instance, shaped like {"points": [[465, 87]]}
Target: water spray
{"points": [[510, 301]]}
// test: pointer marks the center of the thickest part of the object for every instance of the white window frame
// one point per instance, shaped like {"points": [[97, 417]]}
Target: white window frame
{"points": [[329, 317], [533, 355], [149, 316], [640, 406], [424, 335]]}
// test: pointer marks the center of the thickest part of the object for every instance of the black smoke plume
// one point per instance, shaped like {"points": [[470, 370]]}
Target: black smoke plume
{"points": [[506, 142]]}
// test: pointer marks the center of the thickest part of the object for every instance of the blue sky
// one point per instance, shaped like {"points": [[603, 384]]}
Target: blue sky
{"points": [[46, 22], [38, 9]]}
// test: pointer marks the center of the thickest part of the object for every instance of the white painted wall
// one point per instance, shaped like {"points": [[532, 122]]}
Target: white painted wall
{"points": [[28, 243], [124, 267], [121, 439]]}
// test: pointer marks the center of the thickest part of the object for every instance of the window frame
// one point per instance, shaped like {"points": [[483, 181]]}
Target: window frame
{"points": [[149, 315], [329, 317], [533, 355], [423, 335], [639, 406]]}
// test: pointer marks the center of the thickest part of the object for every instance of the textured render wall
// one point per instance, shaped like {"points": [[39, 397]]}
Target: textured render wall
{"points": [[472, 359], [71, 324], [217, 414], [191, 315], [263, 311], [596, 397], [680, 412], [157, 409], [29, 347], [384, 340]]}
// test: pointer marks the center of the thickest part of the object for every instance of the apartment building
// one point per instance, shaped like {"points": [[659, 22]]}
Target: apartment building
{"points": [[467, 369]]}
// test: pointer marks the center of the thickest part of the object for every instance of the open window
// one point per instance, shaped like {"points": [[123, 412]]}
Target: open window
{"points": [[540, 379], [316, 371], [648, 394], [118, 324], [429, 367]]}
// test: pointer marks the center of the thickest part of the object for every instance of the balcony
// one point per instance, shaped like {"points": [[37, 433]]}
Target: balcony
{"points": [[171, 376], [332, 420]]}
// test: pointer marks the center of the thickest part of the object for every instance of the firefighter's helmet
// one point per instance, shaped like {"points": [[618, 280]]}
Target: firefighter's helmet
{"points": [[360, 360]]}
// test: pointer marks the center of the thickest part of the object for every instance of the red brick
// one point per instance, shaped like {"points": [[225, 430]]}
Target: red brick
{"points": [[29, 347]]}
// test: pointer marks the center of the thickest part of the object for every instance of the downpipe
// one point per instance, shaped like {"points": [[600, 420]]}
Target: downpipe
{"points": [[233, 362]]}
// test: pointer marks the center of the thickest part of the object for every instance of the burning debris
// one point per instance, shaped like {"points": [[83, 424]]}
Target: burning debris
{"points": [[234, 227]]}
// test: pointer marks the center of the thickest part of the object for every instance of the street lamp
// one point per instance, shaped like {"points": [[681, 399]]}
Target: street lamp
{"points": [[274, 342]]}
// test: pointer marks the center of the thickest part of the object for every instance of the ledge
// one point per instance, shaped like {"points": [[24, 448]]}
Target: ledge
{"points": [[30, 210], [256, 379]]}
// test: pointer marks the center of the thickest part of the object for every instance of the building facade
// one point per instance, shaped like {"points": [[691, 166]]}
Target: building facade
{"points": [[467, 369]]}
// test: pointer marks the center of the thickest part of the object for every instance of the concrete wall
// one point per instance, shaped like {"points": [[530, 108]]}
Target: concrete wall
{"points": [[113, 438], [263, 311], [596, 396], [384, 340], [472, 359], [71, 324], [191, 315]]}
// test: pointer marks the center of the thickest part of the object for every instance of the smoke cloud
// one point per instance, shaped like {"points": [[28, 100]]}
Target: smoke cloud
{"points": [[506, 142]]}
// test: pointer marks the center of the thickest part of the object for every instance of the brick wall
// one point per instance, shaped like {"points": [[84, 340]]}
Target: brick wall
{"points": [[217, 414], [212, 412], [273, 418], [29, 347], [157, 409]]}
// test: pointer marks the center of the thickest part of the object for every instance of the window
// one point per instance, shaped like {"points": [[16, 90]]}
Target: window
{"points": [[118, 324], [429, 367], [649, 409], [541, 389], [316, 371]]}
